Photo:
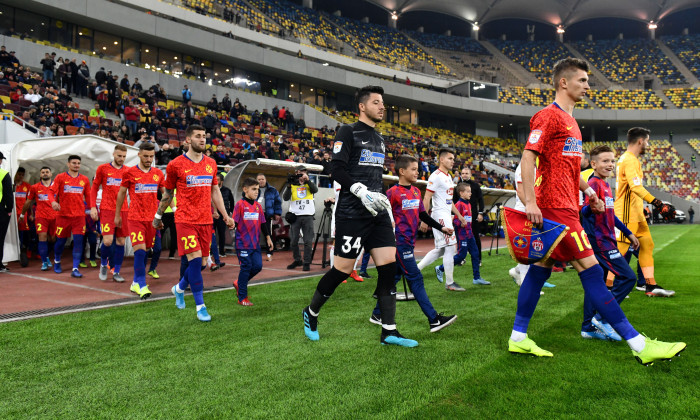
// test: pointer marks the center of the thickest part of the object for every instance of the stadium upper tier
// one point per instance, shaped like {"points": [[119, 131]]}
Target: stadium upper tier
{"points": [[681, 181], [449, 43], [535, 56], [687, 48], [624, 60]]}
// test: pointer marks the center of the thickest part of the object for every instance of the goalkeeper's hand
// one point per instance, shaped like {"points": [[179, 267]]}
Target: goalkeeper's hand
{"points": [[374, 202], [657, 203]]}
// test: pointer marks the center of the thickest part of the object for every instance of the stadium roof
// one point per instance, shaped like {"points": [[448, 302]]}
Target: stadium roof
{"points": [[554, 12]]}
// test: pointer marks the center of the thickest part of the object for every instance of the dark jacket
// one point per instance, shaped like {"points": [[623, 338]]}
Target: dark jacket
{"points": [[8, 197], [273, 202], [229, 201]]}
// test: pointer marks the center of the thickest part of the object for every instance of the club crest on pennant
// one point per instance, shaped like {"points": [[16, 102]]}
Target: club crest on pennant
{"points": [[528, 243]]}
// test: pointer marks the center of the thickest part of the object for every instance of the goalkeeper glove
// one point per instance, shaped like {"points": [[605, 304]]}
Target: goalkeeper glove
{"points": [[657, 203], [374, 202]]}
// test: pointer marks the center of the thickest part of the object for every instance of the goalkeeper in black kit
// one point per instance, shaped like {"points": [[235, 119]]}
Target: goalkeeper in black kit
{"points": [[361, 216]]}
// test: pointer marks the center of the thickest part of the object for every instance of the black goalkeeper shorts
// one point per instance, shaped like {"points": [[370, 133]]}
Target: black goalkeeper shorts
{"points": [[351, 235]]}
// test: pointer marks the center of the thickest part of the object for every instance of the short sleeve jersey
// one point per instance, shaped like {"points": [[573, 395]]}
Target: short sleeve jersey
{"points": [[72, 194], [406, 206], [362, 150], [630, 191], [21, 194], [193, 181], [556, 137], [249, 217], [143, 190], [43, 197], [442, 187], [463, 232], [602, 226], [110, 179]]}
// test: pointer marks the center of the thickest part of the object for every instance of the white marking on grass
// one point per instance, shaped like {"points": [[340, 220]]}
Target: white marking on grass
{"points": [[669, 242]]}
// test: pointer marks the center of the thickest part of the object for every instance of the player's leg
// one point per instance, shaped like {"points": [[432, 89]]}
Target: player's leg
{"points": [[588, 328], [448, 262], [528, 296], [646, 262], [476, 262], [155, 255], [92, 243], [42, 226], [245, 260], [62, 233], [119, 245], [624, 282], [340, 270], [255, 266], [78, 230], [462, 252], [199, 240], [215, 252], [363, 265], [430, 258]]}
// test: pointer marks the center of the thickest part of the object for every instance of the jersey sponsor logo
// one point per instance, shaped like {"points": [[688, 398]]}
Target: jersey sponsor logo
{"points": [[198, 180], [42, 197], [337, 146], [243, 253], [520, 242], [407, 255], [72, 189], [534, 136], [538, 245], [370, 158], [573, 147], [468, 219], [636, 181], [410, 204], [116, 182], [146, 188], [614, 254], [19, 194], [251, 215], [609, 202]]}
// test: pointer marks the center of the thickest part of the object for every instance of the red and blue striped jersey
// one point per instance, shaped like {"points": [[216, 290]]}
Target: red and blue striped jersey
{"points": [[463, 232], [601, 227], [249, 217], [406, 205]]}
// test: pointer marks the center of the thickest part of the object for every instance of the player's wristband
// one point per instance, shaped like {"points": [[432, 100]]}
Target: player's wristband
{"points": [[589, 191], [158, 216]]}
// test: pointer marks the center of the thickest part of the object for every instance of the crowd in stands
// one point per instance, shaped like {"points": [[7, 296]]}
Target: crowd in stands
{"points": [[687, 48], [623, 60]]}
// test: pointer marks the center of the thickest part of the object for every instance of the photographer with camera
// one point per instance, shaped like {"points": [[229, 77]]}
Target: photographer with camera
{"points": [[300, 190]]}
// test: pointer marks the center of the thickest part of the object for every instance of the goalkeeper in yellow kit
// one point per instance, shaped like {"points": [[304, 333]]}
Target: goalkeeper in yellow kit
{"points": [[630, 196]]}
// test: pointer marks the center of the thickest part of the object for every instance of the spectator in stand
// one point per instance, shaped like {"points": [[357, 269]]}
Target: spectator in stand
{"points": [[190, 113], [124, 84], [14, 60], [166, 154], [32, 96], [48, 66], [225, 104], [145, 138], [269, 199], [209, 122], [275, 115], [97, 112], [82, 79], [112, 84], [282, 116], [186, 95], [136, 88], [289, 119], [300, 125], [101, 95], [63, 95], [265, 116], [202, 76], [80, 122], [213, 104], [132, 115], [101, 76], [4, 57]]}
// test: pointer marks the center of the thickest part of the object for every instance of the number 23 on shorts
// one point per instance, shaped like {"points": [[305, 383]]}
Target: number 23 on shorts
{"points": [[189, 241]]}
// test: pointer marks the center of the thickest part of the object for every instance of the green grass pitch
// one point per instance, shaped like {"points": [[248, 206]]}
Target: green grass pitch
{"points": [[152, 360]]}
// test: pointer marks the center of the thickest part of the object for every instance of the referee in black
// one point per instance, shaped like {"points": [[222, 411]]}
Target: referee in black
{"points": [[477, 204], [361, 216]]}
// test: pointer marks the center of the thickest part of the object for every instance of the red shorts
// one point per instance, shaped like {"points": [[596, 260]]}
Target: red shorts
{"points": [[22, 224], [107, 224], [192, 238], [575, 245], [65, 226], [142, 232], [45, 226]]}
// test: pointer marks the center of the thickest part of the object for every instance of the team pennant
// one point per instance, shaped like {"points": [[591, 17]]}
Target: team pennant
{"points": [[527, 243]]}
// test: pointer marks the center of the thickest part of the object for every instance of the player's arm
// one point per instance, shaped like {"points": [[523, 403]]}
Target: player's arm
{"points": [[218, 201], [164, 204], [425, 218], [87, 196], [633, 176], [597, 205], [121, 196], [96, 183], [266, 233], [527, 172], [628, 233], [56, 196]]}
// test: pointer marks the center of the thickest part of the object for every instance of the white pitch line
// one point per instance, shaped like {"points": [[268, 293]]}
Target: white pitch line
{"points": [[672, 240], [65, 283]]}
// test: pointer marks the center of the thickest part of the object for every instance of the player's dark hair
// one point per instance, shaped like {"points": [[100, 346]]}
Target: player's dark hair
{"points": [[636, 133], [363, 94], [445, 150], [403, 162], [603, 148], [20, 169], [146, 146], [44, 167], [120, 147], [249, 182], [192, 128], [566, 65], [73, 157]]}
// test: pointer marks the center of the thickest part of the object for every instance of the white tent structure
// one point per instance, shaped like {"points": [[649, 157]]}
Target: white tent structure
{"points": [[32, 154]]}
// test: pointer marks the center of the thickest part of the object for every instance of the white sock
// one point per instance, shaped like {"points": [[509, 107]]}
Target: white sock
{"points": [[201, 306], [312, 312], [332, 254], [518, 336], [177, 288], [354, 266], [429, 258], [637, 343], [448, 262], [391, 327]]}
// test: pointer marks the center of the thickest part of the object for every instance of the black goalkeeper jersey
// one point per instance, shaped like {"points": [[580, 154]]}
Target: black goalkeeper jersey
{"points": [[362, 150]]}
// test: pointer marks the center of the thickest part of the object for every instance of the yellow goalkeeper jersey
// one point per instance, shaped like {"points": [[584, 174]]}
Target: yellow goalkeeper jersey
{"points": [[630, 193]]}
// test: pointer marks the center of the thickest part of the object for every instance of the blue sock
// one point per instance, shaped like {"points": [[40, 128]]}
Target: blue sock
{"points": [[441, 267], [215, 250], [58, 248], [155, 256], [529, 295], [183, 265], [194, 274], [603, 301], [77, 250], [104, 253], [92, 240], [118, 257], [140, 267], [44, 250]]}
